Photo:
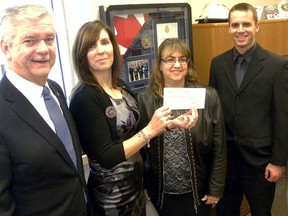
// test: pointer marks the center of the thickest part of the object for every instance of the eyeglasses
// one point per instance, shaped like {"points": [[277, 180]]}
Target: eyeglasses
{"points": [[172, 61]]}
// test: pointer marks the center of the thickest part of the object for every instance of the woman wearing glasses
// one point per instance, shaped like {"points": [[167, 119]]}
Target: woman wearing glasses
{"points": [[186, 166]]}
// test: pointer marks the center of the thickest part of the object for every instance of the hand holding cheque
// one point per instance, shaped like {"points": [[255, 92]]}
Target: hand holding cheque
{"points": [[184, 98]]}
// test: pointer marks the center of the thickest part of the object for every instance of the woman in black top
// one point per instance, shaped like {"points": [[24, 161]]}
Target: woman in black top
{"points": [[107, 117]]}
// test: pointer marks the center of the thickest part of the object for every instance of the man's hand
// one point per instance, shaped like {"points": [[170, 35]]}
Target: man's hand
{"points": [[274, 173]]}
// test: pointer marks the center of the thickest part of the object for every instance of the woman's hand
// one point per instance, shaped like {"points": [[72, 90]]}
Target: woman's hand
{"points": [[210, 200], [147, 198], [160, 119], [187, 120]]}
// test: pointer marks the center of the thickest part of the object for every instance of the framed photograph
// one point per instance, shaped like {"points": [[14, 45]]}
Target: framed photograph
{"points": [[141, 28], [138, 71]]}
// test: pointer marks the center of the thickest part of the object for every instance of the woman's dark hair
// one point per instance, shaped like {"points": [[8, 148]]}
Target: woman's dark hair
{"points": [[86, 37]]}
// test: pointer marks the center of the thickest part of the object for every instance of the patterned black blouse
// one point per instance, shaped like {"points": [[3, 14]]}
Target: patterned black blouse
{"points": [[119, 191]]}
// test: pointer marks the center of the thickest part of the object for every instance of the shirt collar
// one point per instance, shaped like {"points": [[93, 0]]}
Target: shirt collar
{"points": [[247, 55], [27, 88]]}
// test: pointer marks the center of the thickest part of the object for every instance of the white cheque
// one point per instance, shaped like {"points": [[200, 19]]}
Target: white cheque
{"points": [[184, 98]]}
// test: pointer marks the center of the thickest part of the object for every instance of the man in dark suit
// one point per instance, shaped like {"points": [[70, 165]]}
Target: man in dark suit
{"points": [[255, 106], [37, 175]]}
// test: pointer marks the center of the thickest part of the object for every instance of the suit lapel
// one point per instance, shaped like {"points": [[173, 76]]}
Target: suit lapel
{"points": [[254, 67], [229, 69], [26, 111]]}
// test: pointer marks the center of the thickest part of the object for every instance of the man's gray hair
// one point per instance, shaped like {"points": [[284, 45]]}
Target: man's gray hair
{"points": [[12, 15]]}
